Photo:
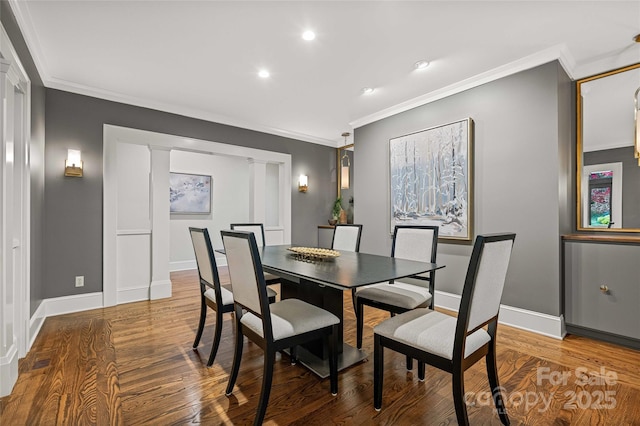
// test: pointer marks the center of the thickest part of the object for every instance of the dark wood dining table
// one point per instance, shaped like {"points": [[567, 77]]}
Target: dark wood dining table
{"points": [[322, 283]]}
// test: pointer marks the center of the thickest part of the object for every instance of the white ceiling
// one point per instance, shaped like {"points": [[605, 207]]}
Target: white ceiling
{"points": [[201, 58]]}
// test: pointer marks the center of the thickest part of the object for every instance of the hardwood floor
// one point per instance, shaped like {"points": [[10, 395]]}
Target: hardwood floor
{"points": [[133, 364]]}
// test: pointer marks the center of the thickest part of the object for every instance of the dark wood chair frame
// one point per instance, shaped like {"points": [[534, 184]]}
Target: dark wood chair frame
{"points": [[458, 364], [360, 302], [218, 307], [267, 343], [264, 243]]}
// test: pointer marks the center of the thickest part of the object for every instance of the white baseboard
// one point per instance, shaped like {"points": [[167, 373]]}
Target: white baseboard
{"points": [[160, 289], [35, 323], [69, 304], [536, 322], [130, 295], [9, 370], [186, 265], [182, 265]]}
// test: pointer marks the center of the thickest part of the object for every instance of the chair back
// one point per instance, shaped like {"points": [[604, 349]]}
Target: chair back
{"points": [[415, 242], [346, 237], [245, 271], [256, 228], [484, 283], [205, 259]]}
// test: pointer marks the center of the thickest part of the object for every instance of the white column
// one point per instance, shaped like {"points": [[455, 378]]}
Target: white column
{"points": [[160, 277], [8, 338], [257, 190]]}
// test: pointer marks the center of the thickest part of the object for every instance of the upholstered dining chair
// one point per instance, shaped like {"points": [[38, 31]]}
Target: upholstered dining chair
{"points": [[451, 344], [412, 242], [258, 230], [212, 294], [274, 327], [346, 237]]}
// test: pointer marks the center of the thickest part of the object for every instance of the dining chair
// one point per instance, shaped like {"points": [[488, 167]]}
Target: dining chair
{"points": [[411, 242], [346, 237], [212, 294], [274, 327], [451, 344], [258, 230]]}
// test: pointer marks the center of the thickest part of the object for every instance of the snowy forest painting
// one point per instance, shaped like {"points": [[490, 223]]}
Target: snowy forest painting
{"points": [[189, 193], [430, 179]]}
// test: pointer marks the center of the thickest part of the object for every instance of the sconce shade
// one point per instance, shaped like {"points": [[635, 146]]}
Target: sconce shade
{"points": [[302, 183], [73, 163], [344, 177]]}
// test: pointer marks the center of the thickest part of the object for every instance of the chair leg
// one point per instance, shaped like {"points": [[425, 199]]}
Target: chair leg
{"points": [[421, 371], [378, 374], [216, 339], [409, 363], [203, 317], [496, 390], [267, 377], [458, 397], [353, 300], [359, 323], [333, 359], [237, 356]]}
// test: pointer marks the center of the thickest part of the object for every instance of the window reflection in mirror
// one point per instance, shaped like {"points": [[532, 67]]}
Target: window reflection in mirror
{"points": [[608, 175]]}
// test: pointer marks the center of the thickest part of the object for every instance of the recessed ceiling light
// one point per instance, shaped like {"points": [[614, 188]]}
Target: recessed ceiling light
{"points": [[308, 35], [367, 90], [263, 74], [420, 65]]}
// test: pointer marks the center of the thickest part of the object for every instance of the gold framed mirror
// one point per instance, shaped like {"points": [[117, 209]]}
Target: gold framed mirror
{"points": [[608, 171], [344, 171]]}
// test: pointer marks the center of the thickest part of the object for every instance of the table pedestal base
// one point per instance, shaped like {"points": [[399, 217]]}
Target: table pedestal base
{"points": [[320, 367]]}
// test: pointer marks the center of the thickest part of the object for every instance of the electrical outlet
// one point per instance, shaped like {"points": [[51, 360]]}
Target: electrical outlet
{"points": [[80, 281]]}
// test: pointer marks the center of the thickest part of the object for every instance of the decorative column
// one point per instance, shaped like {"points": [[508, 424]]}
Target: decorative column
{"points": [[160, 277], [257, 190]]}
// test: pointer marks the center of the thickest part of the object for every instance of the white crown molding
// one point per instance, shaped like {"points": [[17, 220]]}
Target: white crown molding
{"points": [[558, 52], [59, 84]]}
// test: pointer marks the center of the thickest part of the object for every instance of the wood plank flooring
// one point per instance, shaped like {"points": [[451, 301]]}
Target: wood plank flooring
{"points": [[133, 364]]}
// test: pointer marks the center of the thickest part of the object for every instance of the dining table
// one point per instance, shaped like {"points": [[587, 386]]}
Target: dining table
{"points": [[322, 281]]}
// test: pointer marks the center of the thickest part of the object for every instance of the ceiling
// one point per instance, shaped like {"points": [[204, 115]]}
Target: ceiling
{"points": [[201, 58]]}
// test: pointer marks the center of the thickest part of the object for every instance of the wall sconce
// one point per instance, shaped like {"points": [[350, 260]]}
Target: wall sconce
{"points": [[73, 163], [637, 120], [344, 166], [302, 183]]}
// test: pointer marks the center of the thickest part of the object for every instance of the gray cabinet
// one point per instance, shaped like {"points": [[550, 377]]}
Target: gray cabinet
{"points": [[602, 290]]}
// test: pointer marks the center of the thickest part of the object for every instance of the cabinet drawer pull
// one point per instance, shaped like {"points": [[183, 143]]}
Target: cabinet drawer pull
{"points": [[604, 289]]}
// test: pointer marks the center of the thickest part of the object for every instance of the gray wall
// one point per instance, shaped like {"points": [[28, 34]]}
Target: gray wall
{"points": [[37, 153], [73, 223], [522, 178], [630, 180]]}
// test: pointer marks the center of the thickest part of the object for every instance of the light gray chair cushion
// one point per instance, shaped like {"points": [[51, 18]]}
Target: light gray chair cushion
{"points": [[291, 317], [227, 296], [269, 277], [430, 331], [399, 294]]}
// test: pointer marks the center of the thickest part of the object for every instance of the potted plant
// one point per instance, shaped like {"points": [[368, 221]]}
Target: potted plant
{"points": [[335, 211]]}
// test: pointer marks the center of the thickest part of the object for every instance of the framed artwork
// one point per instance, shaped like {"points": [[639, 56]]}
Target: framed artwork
{"points": [[431, 179], [189, 193]]}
